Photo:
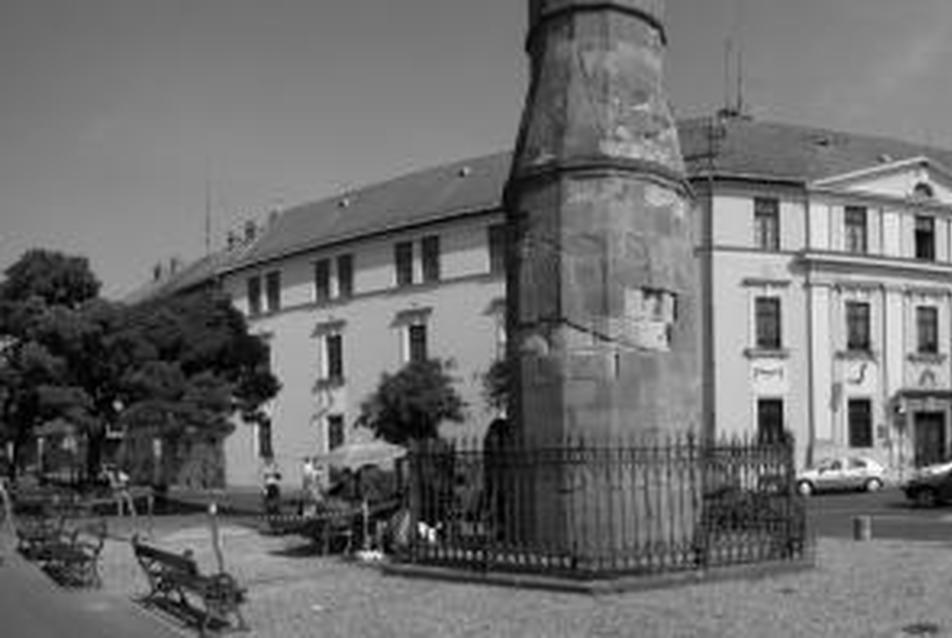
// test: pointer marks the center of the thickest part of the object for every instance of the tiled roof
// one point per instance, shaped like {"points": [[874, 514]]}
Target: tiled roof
{"points": [[192, 275], [743, 148], [771, 151], [469, 186]]}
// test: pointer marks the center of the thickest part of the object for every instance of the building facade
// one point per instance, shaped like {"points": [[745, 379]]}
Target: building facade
{"points": [[828, 265], [826, 268]]}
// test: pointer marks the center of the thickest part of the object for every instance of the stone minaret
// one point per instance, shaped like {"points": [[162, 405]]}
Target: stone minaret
{"points": [[604, 305]]}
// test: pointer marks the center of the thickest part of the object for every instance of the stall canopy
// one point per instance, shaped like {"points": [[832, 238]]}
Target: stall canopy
{"points": [[361, 453]]}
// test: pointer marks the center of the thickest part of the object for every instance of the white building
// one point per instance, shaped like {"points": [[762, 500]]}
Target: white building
{"points": [[826, 263]]}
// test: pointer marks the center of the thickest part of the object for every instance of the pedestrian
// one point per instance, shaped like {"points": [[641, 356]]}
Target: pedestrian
{"points": [[272, 487], [309, 487], [119, 487]]}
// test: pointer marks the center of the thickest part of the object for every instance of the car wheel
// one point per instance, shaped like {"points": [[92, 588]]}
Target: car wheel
{"points": [[805, 488], [926, 497], [874, 485]]}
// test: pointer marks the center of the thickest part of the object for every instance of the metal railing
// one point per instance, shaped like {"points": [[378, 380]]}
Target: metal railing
{"points": [[584, 509]]}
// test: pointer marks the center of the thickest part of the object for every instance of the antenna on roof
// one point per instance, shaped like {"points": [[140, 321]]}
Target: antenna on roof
{"points": [[739, 36], [734, 105], [208, 207], [208, 216], [728, 54]]}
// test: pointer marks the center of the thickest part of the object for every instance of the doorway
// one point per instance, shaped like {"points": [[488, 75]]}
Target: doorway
{"points": [[930, 439]]}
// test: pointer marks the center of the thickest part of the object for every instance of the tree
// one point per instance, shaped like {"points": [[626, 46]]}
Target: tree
{"points": [[411, 404], [497, 385], [198, 367], [179, 365], [31, 370], [55, 278]]}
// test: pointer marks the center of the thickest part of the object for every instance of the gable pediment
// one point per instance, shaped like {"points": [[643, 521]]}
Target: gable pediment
{"points": [[911, 179]]}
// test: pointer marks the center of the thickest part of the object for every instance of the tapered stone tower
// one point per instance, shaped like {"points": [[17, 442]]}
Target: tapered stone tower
{"points": [[603, 287]]}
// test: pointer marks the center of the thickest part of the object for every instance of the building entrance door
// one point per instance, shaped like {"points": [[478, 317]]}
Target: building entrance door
{"points": [[930, 437]]}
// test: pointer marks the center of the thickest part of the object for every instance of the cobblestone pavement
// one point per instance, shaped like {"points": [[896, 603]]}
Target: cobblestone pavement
{"points": [[873, 589]]}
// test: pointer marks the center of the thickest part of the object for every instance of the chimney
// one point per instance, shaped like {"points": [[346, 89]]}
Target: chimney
{"points": [[251, 230], [174, 264], [157, 272], [232, 241]]}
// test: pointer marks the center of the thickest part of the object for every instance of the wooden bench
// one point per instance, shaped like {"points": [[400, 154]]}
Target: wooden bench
{"points": [[336, 525], [35, 532], [73, 559], [327, 527], [173, 577], [69, 553]]}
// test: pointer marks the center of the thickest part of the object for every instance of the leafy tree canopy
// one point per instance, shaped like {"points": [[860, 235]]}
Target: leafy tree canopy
{"points": [[497, 385], [186, 362], [201, 354], [411, 404], [56, 278]]}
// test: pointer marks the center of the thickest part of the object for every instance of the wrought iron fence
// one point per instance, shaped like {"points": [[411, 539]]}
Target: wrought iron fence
{"points": [[585, 509]]}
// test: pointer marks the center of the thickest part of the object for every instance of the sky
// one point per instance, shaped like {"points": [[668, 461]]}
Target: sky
{"points": [[116, 114]]}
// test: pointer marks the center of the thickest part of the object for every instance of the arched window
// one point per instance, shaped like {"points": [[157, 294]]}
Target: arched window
{"points": [[923, 191]]}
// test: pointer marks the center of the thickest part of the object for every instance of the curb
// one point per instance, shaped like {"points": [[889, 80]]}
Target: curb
{"points": [[600, 586]]}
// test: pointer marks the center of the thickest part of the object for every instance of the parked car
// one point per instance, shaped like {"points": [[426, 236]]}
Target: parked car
{"points": [[930, 485], [842, 473]]}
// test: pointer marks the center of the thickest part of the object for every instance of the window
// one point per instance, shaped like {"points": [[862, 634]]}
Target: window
{"points": [[322, 280], [497, 249], [923, 190], [335, 431], [334, 349], [770, 420], [855, 221], [345, 276], [767, 223], [417, 342], [273, 290], [927, 329], [403, 259], [860, 423], [768, 323], [430, 247], [265, 446], [254, 296], [857, 326], [925, 237]]}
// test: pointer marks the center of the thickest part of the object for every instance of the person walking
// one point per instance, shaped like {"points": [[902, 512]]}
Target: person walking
{"points": [[272, 487]]}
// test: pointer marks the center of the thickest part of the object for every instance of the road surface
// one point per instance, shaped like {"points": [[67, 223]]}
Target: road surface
{"points": [[893, 516]]}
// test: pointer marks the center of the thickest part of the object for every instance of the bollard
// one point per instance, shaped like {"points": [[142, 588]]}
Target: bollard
{"points": [[862, 528]]}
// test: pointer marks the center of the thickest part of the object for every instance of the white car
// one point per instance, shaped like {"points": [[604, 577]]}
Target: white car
{"points": [[842, 473]]}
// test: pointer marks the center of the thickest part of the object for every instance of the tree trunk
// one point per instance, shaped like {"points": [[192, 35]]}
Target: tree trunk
{"points": [[94, 444]]}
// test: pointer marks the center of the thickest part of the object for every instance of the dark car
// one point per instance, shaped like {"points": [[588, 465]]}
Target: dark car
{"points": [[930, 486]]}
